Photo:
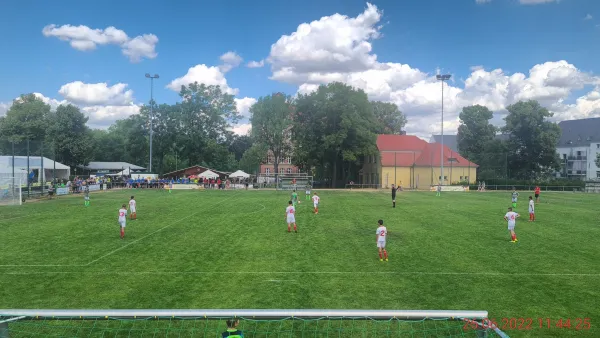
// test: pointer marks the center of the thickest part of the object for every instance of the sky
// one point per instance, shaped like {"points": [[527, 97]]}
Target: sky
{"points": [[94, 54]]}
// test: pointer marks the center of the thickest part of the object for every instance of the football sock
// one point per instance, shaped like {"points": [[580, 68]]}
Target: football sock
{"points": [[289, 229], [513, 237], [295, 228], [385, 254], [394, 204], [122, 233], [380, 256]]}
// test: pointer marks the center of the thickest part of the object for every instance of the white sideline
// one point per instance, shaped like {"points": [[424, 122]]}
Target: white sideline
{"points": [[116, 250], [408, 273]]}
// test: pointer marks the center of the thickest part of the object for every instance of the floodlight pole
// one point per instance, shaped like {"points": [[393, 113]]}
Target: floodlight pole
{"points": [[151, 77], [442, 78]]}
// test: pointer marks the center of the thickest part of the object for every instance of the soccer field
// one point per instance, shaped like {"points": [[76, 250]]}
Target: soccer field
{"points": [[231, 249]]}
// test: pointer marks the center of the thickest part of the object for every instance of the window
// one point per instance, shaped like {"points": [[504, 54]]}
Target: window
{"points": [[598, 145], [564, 156], [579, 153], [281, 170], [270, 159], [289, 160], [467, 178], [289, 170], [267, 171], [445, 177], [461, 178], [597, 174]]}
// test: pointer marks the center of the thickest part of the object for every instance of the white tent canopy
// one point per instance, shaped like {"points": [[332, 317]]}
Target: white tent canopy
{"points": [[208, 174], [239, 174], [36, 163]]}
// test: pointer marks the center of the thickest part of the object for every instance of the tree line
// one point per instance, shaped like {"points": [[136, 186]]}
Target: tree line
{"points": [[327, 133]]}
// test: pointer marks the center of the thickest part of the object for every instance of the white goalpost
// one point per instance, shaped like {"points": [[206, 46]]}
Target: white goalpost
{"points": [[11, 190], [284, 181]]}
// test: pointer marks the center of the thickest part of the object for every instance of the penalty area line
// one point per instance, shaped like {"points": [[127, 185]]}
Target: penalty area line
{"points": [[405, 273]]}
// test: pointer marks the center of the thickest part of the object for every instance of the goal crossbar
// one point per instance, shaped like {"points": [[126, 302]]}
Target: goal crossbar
{"points": [[7, 314]]}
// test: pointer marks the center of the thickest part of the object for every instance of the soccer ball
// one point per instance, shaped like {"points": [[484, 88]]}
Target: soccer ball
{"points": [[299, 202]]}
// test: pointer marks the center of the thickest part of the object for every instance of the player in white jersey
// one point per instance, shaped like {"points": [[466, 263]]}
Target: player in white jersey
{"points": [[290, 216], [316, 200], [511, 218], [531, 209], [123, 219], [381, 237], [132, 208]]}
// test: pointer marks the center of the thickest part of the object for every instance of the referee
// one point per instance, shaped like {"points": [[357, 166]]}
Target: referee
{"points": [[393, 196]]}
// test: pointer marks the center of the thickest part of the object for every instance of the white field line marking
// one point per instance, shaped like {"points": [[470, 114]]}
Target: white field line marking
{"points": [[407, 273], [152, 233]]}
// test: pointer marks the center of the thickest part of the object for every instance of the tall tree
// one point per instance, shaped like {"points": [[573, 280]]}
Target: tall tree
{"points": [[271, 125], [475, 132], [26, 119], [239, 144], [390, 119], [69, 136], [252, 158], [341, 129], [533, 140]]}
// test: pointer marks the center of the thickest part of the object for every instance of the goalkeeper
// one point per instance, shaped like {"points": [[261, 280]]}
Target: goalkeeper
{"points": [[294, 198], [232, 331]]}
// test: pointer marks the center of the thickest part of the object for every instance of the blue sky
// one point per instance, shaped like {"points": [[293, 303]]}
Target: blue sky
{"points": [[418, 37]]}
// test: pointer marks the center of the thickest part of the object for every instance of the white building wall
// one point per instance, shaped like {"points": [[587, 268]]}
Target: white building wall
{"points": [[569, 155], [593, 169]]}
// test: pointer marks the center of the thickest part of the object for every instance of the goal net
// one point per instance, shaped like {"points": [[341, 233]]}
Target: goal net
{"points": [[252, 323], [284, 181], [10, 190]]}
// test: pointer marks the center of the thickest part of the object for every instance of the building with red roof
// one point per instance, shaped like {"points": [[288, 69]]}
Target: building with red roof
{"points": [[410, 162]]}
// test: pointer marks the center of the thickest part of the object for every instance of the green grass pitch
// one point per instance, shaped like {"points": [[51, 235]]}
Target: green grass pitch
{"points": [[231, 249]]}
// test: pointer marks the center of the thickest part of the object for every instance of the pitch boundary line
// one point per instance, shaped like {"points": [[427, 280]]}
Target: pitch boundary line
{"points": [[116, 250], [407, 273]]}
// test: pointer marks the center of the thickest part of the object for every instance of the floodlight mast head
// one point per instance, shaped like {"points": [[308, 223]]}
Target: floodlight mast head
{"points": [[155, 76], [444, 77]]}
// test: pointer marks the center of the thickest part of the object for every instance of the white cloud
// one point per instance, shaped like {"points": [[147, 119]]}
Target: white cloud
{"points": [[230, 60], [203, 74], [256, 64], [96, 93], [333, 44], [588, 17], [84, 38], [338, 48], [4, 108], [241, 129], [243, 105], [102, 117]]}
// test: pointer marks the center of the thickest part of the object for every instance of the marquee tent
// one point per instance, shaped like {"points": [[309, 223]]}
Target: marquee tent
{"points": [[208, 174], [239, 174]]}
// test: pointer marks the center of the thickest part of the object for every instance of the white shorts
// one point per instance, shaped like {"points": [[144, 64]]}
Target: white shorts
{"points": [[291, 219], [308, 192], [531, 211], [381, 244], [132, 210], [511, 227], [514, 200], [87, 198], [122, 223], [315, 204]]}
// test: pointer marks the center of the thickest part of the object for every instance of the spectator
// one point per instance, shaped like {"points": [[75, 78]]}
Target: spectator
{"points": [[232, 331]]}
